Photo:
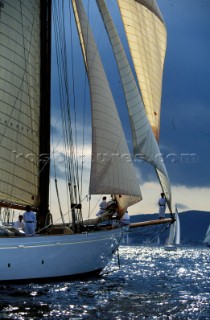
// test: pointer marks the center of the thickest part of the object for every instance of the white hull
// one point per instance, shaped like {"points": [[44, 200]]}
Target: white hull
{"points": [[45, 257]]}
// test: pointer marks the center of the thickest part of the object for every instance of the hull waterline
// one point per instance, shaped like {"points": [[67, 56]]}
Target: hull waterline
{"points": [[56, 257]]}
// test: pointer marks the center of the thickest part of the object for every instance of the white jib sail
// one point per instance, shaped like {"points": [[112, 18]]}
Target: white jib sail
{"points": [[111, 171], [19, 101], [144, 142], [146, 35]]}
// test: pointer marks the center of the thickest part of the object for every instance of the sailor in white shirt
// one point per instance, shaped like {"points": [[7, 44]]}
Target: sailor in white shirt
{"points": [[125, 219], [162, 206], [102, 207], [29, 218], [19, 224]]}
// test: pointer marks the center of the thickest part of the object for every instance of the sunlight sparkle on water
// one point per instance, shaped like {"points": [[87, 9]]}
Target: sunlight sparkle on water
{"points": [[150, 284]]}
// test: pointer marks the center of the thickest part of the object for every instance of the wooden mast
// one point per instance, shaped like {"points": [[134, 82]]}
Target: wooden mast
{"points": [[44, 160]]}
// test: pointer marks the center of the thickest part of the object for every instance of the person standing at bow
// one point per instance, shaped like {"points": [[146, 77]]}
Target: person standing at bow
{"points": [[29, 218], [162, 206]]}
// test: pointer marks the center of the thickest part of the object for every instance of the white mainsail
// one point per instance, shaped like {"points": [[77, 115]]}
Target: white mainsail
{"points": [[146, 35], [111, 172], [19, 101], [144, 141], [172, 232]]}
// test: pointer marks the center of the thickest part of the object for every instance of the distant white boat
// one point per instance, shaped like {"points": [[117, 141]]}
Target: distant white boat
{"points": [[174, 235], [177, 230], [207, 237]]}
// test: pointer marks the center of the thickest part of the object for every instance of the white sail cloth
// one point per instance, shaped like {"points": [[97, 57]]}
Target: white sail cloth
{"points": [[144, 142], [19, 101], [111, 172], [146, 35]]}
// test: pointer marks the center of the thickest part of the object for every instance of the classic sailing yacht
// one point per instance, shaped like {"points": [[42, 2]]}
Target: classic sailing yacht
{"points": [[174, 235], [79, 246]]}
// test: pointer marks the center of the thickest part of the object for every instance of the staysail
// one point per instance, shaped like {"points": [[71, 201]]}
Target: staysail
{"points": [[19, 102], [146, 35], [111, 172], [144, 142]]}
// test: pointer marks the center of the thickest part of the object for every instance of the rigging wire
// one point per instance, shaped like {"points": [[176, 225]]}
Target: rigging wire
{"points": [[74, 96], [84, 126], [65, 214], [59, 203], [62, 65], [149, 230]]}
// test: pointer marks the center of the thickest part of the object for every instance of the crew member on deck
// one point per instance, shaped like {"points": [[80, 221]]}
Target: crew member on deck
{"points": [[102, 207], [19, 224], [29, 218], [162, 206], [125, 221]]}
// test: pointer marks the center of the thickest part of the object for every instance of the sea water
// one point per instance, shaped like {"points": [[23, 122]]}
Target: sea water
{"points": [[143, 282]]}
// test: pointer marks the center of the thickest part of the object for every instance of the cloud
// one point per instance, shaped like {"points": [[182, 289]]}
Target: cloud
{"points": [[185, 198], [181, 206], [184, 133], [185, 98]]}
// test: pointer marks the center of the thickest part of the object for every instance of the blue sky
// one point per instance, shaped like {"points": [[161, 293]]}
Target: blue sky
{"points": [[185, 116], [186, 97], [186, 89]]}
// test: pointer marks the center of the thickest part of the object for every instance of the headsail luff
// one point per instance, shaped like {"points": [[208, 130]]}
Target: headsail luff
{"points": [[146, 35], [111, 172], [19, 102], [166, 187], [144, 142]]}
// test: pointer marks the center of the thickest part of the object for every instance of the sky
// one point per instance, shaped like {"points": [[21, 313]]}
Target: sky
{"points": [[185, 115]]}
